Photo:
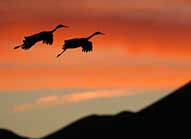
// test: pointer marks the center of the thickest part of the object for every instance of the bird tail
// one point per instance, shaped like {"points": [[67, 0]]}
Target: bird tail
{"points": [[18, 46], [60, 53]]}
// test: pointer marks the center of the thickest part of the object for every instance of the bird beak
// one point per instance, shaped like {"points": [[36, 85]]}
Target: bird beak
{"points": [[102, 33]]}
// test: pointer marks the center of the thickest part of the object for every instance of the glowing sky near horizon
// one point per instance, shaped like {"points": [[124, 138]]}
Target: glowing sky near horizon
{"points": [[145, 52]]}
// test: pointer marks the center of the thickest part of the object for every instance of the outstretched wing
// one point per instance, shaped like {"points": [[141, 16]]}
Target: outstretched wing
{"points": [[29, 41], [87, 47], [48, 38]]}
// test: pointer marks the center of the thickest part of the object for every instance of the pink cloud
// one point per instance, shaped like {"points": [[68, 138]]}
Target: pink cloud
{"points": [[94, 95], [23, 107], [48, 101]]}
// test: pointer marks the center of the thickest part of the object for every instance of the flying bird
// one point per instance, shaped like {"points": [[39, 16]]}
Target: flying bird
{"points": [[79, 42], [44, 36]]}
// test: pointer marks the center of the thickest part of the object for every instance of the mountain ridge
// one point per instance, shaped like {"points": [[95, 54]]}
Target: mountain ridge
{"points": [[167, 116]]}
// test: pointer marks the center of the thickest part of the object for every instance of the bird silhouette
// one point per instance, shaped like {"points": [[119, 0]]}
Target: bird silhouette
{"points": [[44, 36], [79, 42]]}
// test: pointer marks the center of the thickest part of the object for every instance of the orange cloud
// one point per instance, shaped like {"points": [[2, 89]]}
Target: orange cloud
{"points": [[78, 97], [48, 101], [165, 43], [124, 76], [23, 107]]}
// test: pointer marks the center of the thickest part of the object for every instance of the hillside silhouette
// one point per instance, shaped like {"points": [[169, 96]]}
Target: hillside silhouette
{"points": [[7, 134], [167, 117]]}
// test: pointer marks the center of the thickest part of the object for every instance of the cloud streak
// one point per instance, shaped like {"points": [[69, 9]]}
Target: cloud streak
{"points": [[17, 11], [49, 101]]}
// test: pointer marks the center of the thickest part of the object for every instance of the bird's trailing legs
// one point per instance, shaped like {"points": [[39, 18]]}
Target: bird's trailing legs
{"points": [[18, 46], [61, 53]]}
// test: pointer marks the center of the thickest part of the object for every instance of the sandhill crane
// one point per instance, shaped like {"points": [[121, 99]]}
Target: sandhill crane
{"points": [[44, 36], [79, 42]]}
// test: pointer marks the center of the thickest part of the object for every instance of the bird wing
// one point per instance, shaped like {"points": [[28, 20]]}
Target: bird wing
{"points": [[29, 41], [48, 38], [87, 47]]}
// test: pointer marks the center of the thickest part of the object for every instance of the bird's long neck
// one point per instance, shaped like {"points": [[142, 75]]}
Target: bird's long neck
{"points": [[54, 29], [90, 36]]}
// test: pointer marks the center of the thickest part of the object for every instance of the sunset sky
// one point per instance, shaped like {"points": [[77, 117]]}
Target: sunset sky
{"points": [[144, 54]]}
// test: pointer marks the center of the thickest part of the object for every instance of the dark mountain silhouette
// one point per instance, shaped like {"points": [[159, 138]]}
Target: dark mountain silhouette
{"points": [[172, 113], [6, 134], [168, 117], [98, 126]]}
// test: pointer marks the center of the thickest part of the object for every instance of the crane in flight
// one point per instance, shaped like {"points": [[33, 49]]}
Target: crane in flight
{"points": [[44, 36], [79, 42]]}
